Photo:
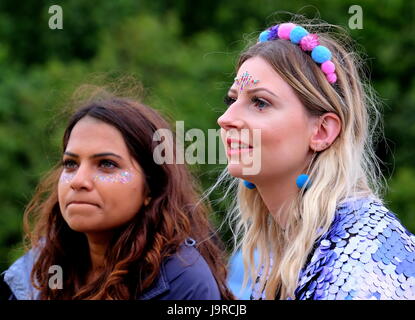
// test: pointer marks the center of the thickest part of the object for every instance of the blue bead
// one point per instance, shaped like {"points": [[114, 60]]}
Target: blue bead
{"points": [[297, 34], [320, 54], [303, 179], [264, 36], [249, 185]]}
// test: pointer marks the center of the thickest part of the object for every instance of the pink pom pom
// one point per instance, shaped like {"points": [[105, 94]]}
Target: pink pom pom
{"points": [[331, 77], [284, 30], [328, 67], [309, 42]]}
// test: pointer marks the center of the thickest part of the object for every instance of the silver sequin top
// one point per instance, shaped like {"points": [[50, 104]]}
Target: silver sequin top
{"points": [[366, 254]]}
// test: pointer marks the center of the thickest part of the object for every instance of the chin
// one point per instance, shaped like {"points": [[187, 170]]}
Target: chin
{"points": [[241, 172], [82, 226], [83, 223], [235, 170]]}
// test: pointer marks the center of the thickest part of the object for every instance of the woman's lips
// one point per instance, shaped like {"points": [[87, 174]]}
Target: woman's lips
{"points": [[231, 152], [237, 146], [81, 203]]}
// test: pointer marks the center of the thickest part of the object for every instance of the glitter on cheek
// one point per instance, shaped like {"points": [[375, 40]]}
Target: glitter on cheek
{"points": [[123, 177], [66, 177]]}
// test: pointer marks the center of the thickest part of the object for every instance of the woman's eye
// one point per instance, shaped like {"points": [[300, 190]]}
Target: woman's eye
{"points": [[259, 103], [69, 164], [108, 164], [228, 100]]}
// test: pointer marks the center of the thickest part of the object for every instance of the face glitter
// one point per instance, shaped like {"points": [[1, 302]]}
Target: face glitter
{"points": [[123, 177], [244, 80], [66, 177]]}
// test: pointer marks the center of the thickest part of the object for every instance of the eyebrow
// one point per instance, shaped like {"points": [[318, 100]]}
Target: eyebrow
{"points": [[256, 90], [97, 155]]}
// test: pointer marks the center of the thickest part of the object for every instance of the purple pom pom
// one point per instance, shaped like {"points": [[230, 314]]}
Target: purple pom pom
{"points": [[273, 32]]}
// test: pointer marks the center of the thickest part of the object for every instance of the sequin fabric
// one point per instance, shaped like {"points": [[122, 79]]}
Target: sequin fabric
{"points": [[366, 254]]}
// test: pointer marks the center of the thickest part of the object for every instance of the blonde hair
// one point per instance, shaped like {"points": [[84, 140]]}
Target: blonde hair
{"points": [[348, 168]]}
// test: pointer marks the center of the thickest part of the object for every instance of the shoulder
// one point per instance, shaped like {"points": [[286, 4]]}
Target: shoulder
{"points": [[185, 276], [5, 291], [17, 276], [366, 254]]}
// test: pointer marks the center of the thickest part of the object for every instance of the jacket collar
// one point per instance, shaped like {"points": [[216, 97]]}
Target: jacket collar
{"points": [[160, 285], [17, 278]]}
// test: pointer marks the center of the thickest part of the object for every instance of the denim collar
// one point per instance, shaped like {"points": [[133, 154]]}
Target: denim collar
{"points": [[17, 278], [160, 285]]}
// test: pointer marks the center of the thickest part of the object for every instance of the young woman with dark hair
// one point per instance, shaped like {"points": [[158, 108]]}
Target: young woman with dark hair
{"points": [[117, 224]]}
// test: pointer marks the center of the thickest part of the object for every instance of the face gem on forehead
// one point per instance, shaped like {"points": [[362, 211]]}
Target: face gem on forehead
{"points": [[244, 80]]}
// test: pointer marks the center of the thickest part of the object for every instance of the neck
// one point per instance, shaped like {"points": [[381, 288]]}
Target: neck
{"points": [[277, 196], [98, 244], [278, 192]]}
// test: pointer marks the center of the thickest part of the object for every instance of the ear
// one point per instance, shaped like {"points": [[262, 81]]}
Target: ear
{"points": [[325, 131], [147, 201]]}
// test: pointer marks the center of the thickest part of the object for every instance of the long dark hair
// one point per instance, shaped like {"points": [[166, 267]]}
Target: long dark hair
{"points": [[138, 248]]}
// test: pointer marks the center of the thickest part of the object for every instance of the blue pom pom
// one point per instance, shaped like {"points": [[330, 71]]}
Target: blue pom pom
{"points": [[297, 34], [303, 179], [320, 54], [264, 36], [249, 185]]}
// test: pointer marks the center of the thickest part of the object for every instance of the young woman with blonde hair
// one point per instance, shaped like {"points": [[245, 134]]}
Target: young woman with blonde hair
{"points": [[314, 210]]}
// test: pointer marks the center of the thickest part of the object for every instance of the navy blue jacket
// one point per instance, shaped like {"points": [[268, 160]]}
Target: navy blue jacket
{"points": [[183, 276]]}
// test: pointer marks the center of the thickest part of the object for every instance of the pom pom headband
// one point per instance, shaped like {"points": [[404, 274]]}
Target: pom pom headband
{"points": [[307, 42]]}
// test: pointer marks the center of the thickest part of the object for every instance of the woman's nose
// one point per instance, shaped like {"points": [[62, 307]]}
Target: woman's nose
{"points": [[83, 179], [231, 119]]}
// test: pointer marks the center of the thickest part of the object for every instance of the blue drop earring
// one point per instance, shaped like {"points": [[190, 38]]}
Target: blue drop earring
{"points": [[303, 180], [249, 185]]}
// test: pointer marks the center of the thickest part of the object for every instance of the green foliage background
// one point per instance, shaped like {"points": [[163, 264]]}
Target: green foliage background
{"points": [[184, 53]]}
